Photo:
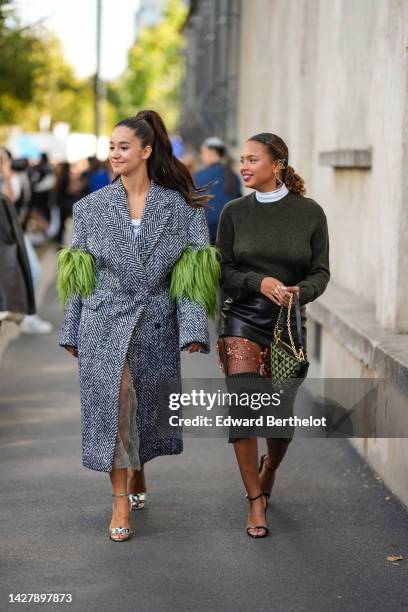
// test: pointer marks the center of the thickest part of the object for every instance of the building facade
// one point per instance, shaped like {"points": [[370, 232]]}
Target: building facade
{"points": [[212, 32]]}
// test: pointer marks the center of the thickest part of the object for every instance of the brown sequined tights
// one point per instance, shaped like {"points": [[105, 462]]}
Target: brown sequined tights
{"points": [[241, 356]]}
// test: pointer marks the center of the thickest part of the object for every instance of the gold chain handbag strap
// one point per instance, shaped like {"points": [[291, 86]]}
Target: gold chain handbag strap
{"points": [[299, 355]]}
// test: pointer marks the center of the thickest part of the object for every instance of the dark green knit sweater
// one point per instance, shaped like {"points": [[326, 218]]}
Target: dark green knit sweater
{"points": [[287, 239]]}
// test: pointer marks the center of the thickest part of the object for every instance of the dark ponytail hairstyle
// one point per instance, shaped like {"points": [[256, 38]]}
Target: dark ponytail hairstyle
{"points": [[163, 167], [278, 150]]}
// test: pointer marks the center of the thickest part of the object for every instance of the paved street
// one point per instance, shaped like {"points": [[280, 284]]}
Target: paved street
{"points": [[331, 524]]}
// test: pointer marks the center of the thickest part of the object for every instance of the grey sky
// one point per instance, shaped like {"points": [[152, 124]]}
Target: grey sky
{"points": [[74, 23]]}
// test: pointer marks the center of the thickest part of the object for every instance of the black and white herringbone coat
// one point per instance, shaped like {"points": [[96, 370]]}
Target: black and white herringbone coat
{"points": [[131, 298]]}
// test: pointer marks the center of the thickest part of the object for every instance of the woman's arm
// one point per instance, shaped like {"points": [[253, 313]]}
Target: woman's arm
{"points": [[76, 278], [194, 284], [235, 283], [319, 273]]}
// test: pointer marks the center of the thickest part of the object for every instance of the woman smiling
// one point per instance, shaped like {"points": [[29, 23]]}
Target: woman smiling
{"points": [[138, 280], [274, 245]]}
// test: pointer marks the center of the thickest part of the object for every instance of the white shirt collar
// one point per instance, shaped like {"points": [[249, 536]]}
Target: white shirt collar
{"points": [[272, 196]]}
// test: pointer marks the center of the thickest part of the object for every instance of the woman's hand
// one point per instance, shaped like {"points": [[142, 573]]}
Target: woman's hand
{"points": [[273, 289], [289, 291], [194, 347], [72, 349]]}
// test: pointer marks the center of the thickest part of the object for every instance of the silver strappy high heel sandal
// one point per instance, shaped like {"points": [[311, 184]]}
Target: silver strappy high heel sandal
{"points": [[119, 531], [137, 500]]}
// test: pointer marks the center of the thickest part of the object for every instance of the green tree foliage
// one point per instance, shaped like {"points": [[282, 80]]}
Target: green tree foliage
{"points": [[21, 61], [156, 68], [36, 80]]}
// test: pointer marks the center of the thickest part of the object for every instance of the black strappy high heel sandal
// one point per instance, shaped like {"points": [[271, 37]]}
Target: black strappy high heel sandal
{"points": [[266, 530]]}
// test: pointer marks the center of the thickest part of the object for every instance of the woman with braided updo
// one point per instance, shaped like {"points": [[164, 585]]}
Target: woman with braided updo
{"points": [[274, 246]]}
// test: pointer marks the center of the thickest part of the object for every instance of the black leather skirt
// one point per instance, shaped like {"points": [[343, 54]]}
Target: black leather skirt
{"points": [[255, 318]]}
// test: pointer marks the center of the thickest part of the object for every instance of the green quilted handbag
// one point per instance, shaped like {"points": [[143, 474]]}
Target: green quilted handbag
{"points": [[287, 361]]}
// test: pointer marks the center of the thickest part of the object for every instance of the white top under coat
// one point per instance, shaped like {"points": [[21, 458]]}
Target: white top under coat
{"points": [[272, 196], [136, 225]]}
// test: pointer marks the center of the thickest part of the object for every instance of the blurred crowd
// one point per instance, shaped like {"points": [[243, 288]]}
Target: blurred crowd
{"points": [[36, 205], [43, 194]]}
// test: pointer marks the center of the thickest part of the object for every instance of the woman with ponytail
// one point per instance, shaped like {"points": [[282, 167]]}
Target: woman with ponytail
{"points": [[138, 282], [274, 247]]}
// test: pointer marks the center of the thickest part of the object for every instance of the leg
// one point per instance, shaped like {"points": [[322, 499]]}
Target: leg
{"points": [[135, 474], [118, 475], [240, 357], [121, 457], [277, 447], [246, 452], [121, 506], [136, 481], [137, 488]]}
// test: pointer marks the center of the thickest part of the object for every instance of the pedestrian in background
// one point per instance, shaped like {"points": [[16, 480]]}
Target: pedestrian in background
{"points": [[21, 169], [85, 176], [94, 177], [65, 196], [99, 177], [43, 182], [15, 183], [189, 159], [219, 179], [13, 186], [140, 278], [274, 243], [16, 286]]}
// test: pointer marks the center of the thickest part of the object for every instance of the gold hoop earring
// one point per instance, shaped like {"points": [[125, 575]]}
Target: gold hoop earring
{"points": [[278, 181]]}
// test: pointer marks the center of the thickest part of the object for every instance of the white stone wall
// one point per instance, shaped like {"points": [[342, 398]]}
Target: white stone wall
{"points": [[329, 75], [387, 456]]}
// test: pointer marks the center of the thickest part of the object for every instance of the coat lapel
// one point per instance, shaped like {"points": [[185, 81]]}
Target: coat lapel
{"points": [[122, 230], [156, 214]]}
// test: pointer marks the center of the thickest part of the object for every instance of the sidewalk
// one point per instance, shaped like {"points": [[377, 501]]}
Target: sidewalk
{"points": [[331, 523]]}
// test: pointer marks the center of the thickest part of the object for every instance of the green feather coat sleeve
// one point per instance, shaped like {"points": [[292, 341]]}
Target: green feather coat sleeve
{"points": [[76, 273], [75, 278], [196, 277], [194, 283]]}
